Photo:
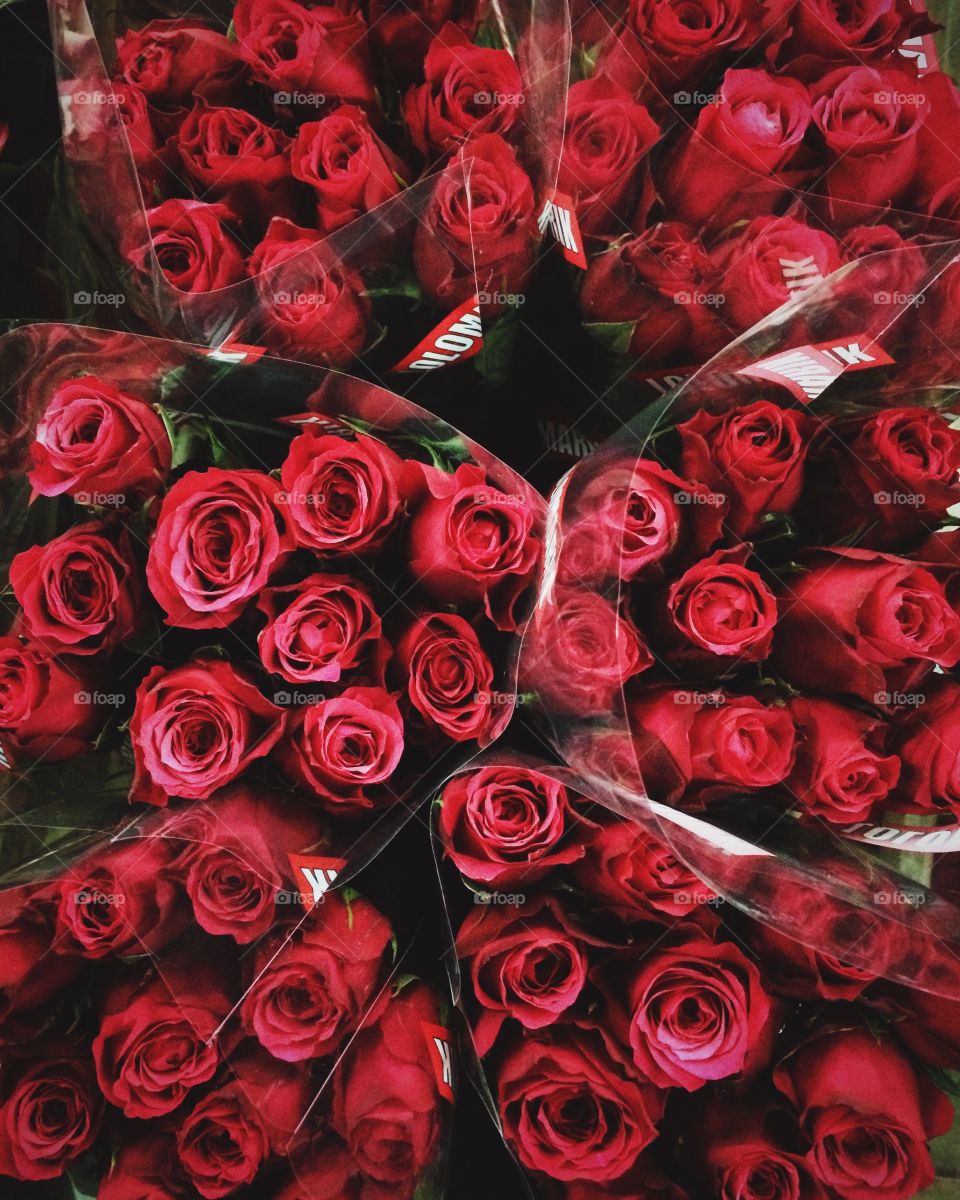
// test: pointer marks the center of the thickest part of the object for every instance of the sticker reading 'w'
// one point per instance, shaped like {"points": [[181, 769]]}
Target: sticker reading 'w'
{"points": [[319, 874]]}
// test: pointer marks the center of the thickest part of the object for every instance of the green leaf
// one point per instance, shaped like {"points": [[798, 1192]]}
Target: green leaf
{"points": [[613, 335], [407, 288], [495, 358], [588, 59]]}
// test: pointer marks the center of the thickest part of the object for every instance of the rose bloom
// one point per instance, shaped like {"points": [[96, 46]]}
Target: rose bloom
{"points": [[142, 1169], [449, 678], [94, 438], [219, 538], [818, 30], [690, 37], [222, 148], [927, 740], [169, 60], [312, 986], [197, 727], [508, 825], [190, 242], [30, 975], [50, 1116], [402, 37], [45, 703]]}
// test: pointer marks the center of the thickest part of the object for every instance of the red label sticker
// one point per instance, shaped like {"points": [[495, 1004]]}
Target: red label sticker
{"points": [[6, 761], [315, 876], [235, 352], [559, 217], [944, 840], [317, 421], [808, 371], [456, 338], [440, 1048]]}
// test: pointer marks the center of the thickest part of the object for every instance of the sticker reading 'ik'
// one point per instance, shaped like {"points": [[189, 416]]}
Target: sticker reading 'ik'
{"points": [[441, 1055], [457, 337], [559, 218], [317, 874], [808, 371]]}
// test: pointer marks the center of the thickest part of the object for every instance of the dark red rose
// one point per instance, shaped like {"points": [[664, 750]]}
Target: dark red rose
{"points": [[45, 703], [50, 1117], [607, 136], [927, 739], [937, 158], [80, 593], [225, 148], [30, 975], [754, 454], [508, 825], [895, 277], [867, 1113], [698, 1012], [819, 31], [927, 1024], [402, 36], [136, 115], [466, 88], [449, 677], [194, 251], [312, 987], [169, 60], [349, 169], [841, 773], [158, 1039], [320, 49], [95, 439], [312, 305], [142, 1169], [324, 1171], [318, 629], [470, 543], [219, 538], [197, 727], [646, 1181], [735, 162], [573, 1108], [697, 746], [478, 232], [580, 652], [865, 623]]}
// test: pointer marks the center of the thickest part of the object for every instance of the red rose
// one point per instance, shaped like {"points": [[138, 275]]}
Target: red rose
{"points": [[696, 746], [894, 277], [449, 677], [320, 49], [219, 538], [507, 825], [720, 612], [313, 986], [470, 543], [158, 1040], [30, 975], [50, 1117], [225, 148], [318, 629], [344, 497], [342, 748], [94, 438], [606, 139], [529, 965], [927, 739], [349, 169], [841, 773], [734, 164], [478, 232], [467, 88], [818, 30], [142, 1169], [80, 593], [867, 1113], [191, 244], [45, 708], [402, 36], [197, 727], [312, 305], [698, 1012], [572, 1108], [580, 652], [169, 60], [134, 111], [865, 623], [687, 38], [754, 454]]}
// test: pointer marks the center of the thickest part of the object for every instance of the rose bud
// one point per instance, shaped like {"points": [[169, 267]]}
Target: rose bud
{"points": [[720, 613], [755, 455], [80, 593], [699, 746], [580, 653], [320, 49], [508, 825], [50, 1117], [734, 163], [583, 1071], [94, 438], [341, 749], [312, 986], [223, 149], [471, 544], [142, 1169], [867, 1113], [197, 727], [169, 60], [318, 629], [841, 773], [449, 678], [868, 120], [312, 306], [30, 975], [219, 538], [927, 739], [190, 243], [698, 1012], [606, 139], [46, 703], [478, 232], [530, 966], [348, 168], [864, 623], [158, 1038], [752, 276], [385, 1101], [401, 37], [467, 88]]}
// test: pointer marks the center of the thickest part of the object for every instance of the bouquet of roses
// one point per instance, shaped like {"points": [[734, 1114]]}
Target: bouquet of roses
{"points": [[639, 1037]]}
